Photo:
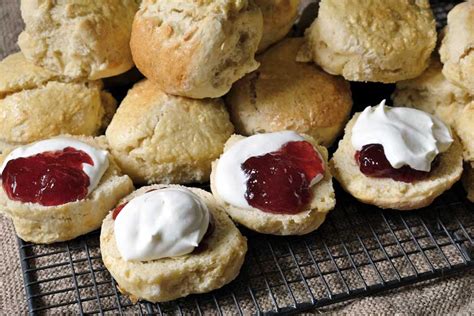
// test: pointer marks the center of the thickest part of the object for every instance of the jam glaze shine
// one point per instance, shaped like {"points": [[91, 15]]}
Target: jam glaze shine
{"points": [[373, 163], [280, 182], [50, 178]]}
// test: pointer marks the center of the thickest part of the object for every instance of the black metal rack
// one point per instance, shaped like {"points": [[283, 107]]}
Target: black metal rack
{"points": [[359, 250]]}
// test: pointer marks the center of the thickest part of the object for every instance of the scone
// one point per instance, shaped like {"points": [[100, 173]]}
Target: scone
{"points": [[167, 242], [60, 188], [378, 40], [196, 49], [79, 38], [468, 181], [160, 138], [285, 95], [398, 158], [456, 50], [276, 183], [37, 104], [433, 93], [278, 18]]}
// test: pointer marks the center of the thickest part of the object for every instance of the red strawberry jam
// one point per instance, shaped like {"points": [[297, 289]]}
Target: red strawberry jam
{"points": [[117, 210], [373, 163], [50, 178], [279, 182]]}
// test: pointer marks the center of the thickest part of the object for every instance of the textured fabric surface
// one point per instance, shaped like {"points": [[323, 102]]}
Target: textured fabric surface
{"points": [[450, 295]]}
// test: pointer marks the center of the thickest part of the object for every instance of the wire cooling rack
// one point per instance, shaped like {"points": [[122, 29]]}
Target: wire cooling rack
{"points": [[359, 250]]}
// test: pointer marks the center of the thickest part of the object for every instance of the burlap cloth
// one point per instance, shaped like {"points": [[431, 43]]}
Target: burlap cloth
{"points": [[442, 296]]}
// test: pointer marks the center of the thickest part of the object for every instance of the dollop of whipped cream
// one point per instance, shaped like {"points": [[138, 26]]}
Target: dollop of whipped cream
{"points": [[231, 180], [409, 136], [164, 223], [98, 156]]}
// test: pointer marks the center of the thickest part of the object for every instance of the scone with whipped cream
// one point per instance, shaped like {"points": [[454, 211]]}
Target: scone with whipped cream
{"points": [[398, 158], [60, 188], [165, 242], [36, 104], [276, 183], [196, 49]]}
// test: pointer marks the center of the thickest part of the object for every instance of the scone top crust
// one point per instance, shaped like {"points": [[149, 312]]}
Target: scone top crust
{"points": [[36, 103], [79, 39], [373, 40], [278, 18], [457, 53], [158, 137], [286, 95], [196, 48]]}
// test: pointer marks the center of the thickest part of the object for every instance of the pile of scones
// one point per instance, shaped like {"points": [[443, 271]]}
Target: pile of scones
{"points": [[217, 71]]}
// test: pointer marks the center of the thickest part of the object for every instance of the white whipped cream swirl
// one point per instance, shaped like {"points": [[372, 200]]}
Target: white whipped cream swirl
{"points": [[164, 223], [409, 137], [99, 157], [231, 180]]}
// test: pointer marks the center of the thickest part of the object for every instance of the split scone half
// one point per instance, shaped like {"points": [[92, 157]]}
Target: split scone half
{"points": [[313, 214], [207, 263], [389, 193], [40, 223]]}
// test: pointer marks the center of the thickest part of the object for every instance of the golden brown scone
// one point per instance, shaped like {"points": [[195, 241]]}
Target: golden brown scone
{"points": [[160, 138], [464, 126], [468, 181], [278, 18], [388, 193], [48, 224], [457, 53], [372, 40], [78, 38], [285, 95], [170, 278], [433, 93], [37, 104], [324, 200], [196, 48]]}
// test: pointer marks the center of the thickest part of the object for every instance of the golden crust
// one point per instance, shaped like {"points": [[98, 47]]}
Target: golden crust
{"points": [[433, 93], [49, 224], [160, 138], [388, 193], [285, 95], [170, 278], [35, 104], [79, 38], [302, 223], [457, 53], [278, 18], [196, 49], [373, 40]]}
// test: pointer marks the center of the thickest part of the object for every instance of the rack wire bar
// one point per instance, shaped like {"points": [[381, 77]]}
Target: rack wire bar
{"points": [[358, 251]]}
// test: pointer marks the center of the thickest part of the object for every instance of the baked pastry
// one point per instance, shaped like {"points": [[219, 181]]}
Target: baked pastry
{"points": [[398, 158], [468, 181], [276, 183], [456, 50], [379, 41], [78, 38], [285, 95], [196, 49], [278, 18], [60, 188], [37, 104], [433, 93], [168, 256], [157, 137]]}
